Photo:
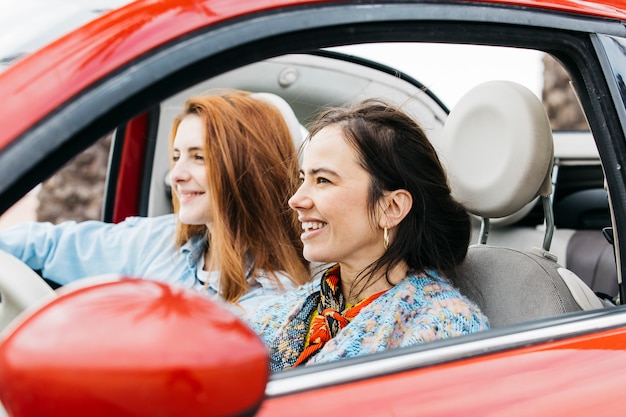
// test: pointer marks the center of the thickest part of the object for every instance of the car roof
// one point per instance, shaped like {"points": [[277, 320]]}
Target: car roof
{"points": [[109, 42], [612, 9]]}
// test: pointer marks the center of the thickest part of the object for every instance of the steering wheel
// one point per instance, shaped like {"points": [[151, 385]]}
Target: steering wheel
{"points": [[20, 287]]}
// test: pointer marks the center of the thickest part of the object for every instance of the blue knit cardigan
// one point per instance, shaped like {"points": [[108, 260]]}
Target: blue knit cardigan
{"points": [[421, 308]]}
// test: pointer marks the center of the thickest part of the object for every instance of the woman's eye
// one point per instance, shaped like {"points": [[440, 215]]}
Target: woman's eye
{"points": [[300, 180], [175, 158], [198, 157], [322, 180]]}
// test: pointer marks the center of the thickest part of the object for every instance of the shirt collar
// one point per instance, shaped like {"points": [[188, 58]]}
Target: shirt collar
{"points": [[194, 250]]}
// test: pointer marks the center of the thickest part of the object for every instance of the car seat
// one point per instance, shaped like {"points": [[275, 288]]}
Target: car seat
{"points": [[497, 148], [589, 254], [298, 132]]}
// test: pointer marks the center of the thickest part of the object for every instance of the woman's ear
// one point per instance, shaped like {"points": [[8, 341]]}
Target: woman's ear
{"points": [[396, 205]]}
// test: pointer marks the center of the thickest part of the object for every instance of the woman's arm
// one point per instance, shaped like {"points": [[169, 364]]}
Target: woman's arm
{"points": [[69, 251]]}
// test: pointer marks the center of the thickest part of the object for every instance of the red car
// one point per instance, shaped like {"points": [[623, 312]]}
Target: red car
{"points": [[549, 207]]}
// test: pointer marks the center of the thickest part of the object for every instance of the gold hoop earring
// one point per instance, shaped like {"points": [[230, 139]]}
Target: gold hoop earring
{"points": [[386, 238]]}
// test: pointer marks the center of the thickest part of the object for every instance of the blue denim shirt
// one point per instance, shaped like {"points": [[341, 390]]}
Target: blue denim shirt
{"points": [[137, 247]]}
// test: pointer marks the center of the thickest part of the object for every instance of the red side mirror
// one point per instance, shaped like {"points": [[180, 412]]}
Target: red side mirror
{"points": [[131, 348]]}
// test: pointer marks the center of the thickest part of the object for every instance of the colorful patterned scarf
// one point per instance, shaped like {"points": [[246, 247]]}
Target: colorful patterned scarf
{"points": [[332, 316]]}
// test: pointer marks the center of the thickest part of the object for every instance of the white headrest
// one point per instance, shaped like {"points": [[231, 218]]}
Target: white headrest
{"points": [[498, 150], [295, 128]]}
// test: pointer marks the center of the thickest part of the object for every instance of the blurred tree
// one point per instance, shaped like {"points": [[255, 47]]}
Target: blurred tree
{"points": [[559, 98], [76, 191]]}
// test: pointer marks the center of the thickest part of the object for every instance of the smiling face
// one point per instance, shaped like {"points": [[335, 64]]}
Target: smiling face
{"points": [[188, 174], [332, 204]]}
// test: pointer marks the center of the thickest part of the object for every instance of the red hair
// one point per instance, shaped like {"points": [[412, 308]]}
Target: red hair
{"points": [[252, 167]]}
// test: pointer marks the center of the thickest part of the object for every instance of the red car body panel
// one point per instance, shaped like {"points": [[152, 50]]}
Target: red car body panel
{"points": [[91, 368], [537, 381], [127, 188], [611, 9], [45, 80]]}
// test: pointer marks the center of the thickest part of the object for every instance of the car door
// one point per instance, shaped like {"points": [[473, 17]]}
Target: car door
{"points": [[523, 368]]}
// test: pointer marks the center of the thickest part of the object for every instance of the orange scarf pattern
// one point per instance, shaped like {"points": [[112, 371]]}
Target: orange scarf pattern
{"points": [[332, 314]]}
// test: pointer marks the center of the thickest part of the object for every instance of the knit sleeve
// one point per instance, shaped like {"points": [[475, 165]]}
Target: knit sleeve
{"points": [[271, 315], [419, 310], [445, 314]]}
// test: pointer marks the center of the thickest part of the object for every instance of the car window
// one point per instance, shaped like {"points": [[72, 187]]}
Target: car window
{"points": [[440, 75], [75, 192]]}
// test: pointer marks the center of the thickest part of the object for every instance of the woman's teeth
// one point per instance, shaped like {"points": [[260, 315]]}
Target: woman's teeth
{"points": [[312, 225]]}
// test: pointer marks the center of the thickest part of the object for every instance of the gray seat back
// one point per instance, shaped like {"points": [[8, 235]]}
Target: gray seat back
{"points": [[591, 257], [510, 285]]}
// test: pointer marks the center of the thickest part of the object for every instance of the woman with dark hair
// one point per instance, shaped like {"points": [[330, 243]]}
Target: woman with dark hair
{"points": [[232, 235], [374, 202]]}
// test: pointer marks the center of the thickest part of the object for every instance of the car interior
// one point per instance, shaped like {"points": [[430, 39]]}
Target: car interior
{"points": [[570, 195], [541, 240]]}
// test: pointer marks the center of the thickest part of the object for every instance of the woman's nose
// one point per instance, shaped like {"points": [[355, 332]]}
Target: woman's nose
{"points": [[178, 172], [300, 199]]}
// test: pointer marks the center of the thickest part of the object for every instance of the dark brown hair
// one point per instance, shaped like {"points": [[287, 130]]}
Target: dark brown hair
{"points": [[395, 151]]}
